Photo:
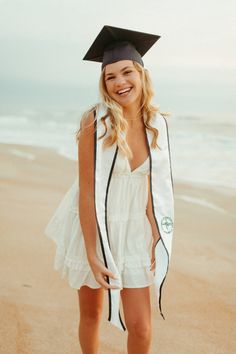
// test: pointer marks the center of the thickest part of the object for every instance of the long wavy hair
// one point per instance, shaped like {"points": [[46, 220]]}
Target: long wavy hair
{"points": [[119, 125]]}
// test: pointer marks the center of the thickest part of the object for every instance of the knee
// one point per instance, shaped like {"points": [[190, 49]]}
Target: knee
{"points": [[140, 330], [91, 316]]}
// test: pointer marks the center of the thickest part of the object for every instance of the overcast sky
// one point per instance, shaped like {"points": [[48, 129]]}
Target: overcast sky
{"points": [[193, 65]]}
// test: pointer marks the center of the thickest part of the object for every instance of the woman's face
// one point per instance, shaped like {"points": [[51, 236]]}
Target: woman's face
{"points": [[123, 83]]}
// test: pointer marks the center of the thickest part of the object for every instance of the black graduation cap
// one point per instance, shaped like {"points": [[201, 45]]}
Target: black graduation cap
{"points": [[113, 44]]}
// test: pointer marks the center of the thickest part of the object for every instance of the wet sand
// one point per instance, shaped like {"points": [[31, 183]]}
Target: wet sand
{"points": [[39, 312]]}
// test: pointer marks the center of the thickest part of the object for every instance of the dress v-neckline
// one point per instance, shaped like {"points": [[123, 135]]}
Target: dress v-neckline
{"points": [[132, 171]]}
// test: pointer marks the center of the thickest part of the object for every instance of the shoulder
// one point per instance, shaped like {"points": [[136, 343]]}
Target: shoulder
{"points": [[93, 115], [160, 122], [100, 111], [87, 122], [161, 119], [88, 118]]}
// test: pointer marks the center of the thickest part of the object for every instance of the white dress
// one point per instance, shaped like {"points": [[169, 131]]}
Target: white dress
{"points": [[129, 230]]}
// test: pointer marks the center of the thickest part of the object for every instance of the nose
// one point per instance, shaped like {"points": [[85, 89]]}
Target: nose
{"points": [[120, 81]]}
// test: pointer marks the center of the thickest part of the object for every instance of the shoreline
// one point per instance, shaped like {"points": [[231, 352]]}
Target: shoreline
{"points": [[226, 190], [40, 312]]}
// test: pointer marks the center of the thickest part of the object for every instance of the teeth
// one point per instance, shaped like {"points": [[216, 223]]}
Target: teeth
{"points": [[123, 91]]}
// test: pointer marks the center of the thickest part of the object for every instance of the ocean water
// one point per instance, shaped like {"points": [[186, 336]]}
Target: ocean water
{"points": [[45, 128], [203, 149]]}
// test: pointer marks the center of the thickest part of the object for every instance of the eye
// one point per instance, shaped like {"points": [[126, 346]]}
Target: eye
{"points": [[109, 78], [128, 71]]}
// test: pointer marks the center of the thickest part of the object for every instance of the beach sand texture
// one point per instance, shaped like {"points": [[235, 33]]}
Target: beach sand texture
{"points": [[39, 312]]}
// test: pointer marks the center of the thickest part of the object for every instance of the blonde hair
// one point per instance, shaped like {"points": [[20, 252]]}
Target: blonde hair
{"points": [[119, 124]]}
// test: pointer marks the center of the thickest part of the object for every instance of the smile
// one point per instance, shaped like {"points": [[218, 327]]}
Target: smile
{"points": [[124, 92]]}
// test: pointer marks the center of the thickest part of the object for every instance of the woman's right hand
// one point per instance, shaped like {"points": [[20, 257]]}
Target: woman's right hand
{"points": [[101, 273]]}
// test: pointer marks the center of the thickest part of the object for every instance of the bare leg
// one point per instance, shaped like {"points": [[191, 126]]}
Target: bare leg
{"points": [[90, 303], [137, 313]]}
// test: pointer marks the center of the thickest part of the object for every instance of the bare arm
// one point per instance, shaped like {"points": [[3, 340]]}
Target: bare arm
{"points": [[86, 185], [149, 212], [87, 201], [155, 232]]}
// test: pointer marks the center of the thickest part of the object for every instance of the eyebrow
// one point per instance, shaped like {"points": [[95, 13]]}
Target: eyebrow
{"points": [[123, 69]]}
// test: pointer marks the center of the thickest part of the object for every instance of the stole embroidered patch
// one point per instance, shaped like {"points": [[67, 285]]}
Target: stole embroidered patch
{"points": [[167, 224]]}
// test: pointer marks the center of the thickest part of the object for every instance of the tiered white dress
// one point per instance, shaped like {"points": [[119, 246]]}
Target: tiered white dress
{"points": [[130, 233]]}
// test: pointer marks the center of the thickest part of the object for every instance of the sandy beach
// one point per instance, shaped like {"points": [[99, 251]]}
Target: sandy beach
{"points": [[39, 312]]}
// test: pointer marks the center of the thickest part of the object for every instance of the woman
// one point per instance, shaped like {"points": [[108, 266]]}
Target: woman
{"points": [[120, 240]]}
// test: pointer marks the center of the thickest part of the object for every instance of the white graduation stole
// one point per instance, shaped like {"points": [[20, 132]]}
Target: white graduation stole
{"points": [[162, 200]]}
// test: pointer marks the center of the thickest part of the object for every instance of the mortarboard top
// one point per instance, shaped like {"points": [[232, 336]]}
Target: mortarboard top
{"points": [[113, 44]]}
